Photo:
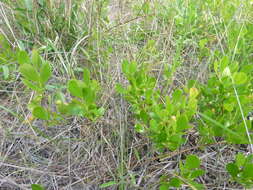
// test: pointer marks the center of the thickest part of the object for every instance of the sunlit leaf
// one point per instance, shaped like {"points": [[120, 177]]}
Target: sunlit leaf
{"points": [[75, 89], [37, 187], [240, 78], [45, 72], [86, 75], [192, 162], [29, 72], [23, 57]]}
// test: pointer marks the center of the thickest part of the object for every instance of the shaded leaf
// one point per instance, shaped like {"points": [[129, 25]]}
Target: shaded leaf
{"points": [[32, 85], [182, 123], [41, 113], [232, 169], [74, 109]]}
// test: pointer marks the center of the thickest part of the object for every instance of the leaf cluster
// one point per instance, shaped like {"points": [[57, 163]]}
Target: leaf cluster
{"points": [[36, 73], [189, 171], [241, 170], [85, 96], [222, 98], [7, 58], [164, 120]]}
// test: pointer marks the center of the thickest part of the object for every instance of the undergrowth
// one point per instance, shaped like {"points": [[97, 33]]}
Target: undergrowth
{"points": [[149, 94]]}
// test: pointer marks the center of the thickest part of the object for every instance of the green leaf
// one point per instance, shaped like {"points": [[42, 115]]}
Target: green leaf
{"points": [[119, 89], [182, 123], [197, 173], [232, 169], [202, 43], [224, 63], [153, 125], [175, 182], [6, 71], [226, 72], [100, 111], [192, 162], [23, 57], [41, 113], [86, 76], [229, 131], [129, 68], [216, 66], [125, 67], [73, 108], [247, 68], [176, 96], [75, 89], [5, 45], [193, 92], [164, 187], [37, 187], [139, 128], [169, 105], [144, 116], [108, 184], [89, 95], [132, 67], [62, 108], [32, 86], [45, 72], [240, 159], [196, 186], [229, 106], [145, 7], [29, 72], [176, 140], [248, 171], [36, 59], [240, 78]]}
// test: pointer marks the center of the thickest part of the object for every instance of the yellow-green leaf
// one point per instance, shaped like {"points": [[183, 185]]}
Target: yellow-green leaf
{"points": [[45, 72], [29, 72]]}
